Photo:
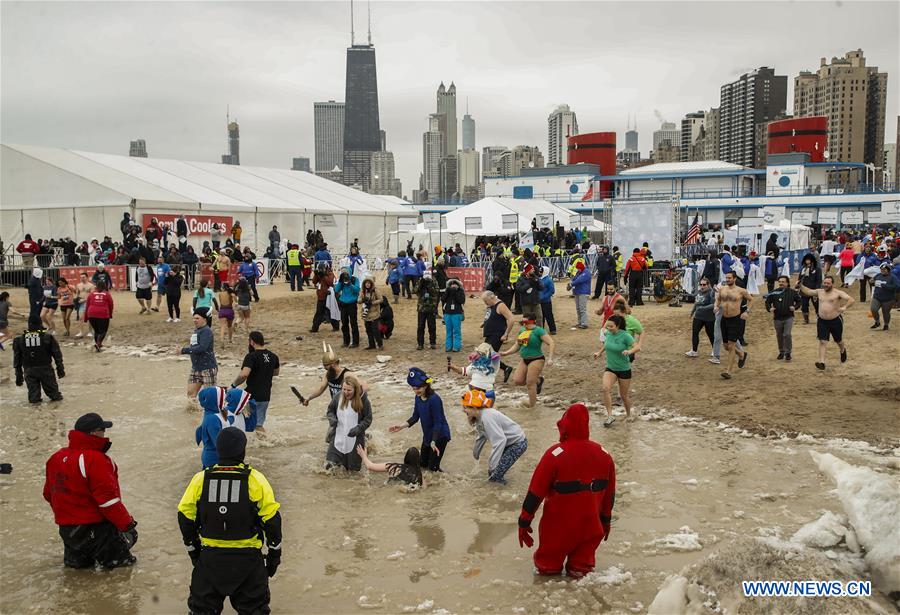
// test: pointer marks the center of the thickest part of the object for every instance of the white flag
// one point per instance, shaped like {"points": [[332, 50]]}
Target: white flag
{"points": [[761, 271], [856, 273], [752, 286], [786, 268]]}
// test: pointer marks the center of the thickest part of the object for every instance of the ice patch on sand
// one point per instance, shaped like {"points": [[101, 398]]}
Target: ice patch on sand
{"points": [[683, 540], [826, 531], [396, 555], [872, 503], [611, 576]]}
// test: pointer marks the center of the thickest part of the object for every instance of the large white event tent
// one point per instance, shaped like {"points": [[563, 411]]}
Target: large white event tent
{"points": [[51, 192], [485, 218]]}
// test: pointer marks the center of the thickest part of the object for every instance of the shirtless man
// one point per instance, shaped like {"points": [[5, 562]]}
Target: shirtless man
{"points": [[831, 316], [223, 268], [728, 300], [82, 289]]}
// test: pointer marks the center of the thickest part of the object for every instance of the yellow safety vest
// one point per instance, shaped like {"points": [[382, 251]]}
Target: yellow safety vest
{"points": [[293, 258], [573, 269], [620, 265], [513, 271], [508, 251]]}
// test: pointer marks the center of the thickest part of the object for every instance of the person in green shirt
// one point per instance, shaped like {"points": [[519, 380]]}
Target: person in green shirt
{"points": [[531, 344], [632, 325], [618, 346]]}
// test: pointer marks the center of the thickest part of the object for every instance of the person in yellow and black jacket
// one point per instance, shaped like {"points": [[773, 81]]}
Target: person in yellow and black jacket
{"points": [[224, 515]]}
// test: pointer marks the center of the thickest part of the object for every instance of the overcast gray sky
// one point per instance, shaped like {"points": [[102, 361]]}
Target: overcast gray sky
{"points": [[93, 76]]}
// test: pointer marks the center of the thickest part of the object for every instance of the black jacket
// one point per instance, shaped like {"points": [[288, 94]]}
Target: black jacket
{"points": [[781, 301], [605, 263], [529, 290]]}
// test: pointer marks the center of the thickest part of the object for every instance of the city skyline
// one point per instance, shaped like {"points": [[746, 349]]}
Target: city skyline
{"points": [[292, 55]]}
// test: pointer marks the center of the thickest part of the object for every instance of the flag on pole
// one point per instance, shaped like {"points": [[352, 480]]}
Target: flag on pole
{"points": [[589, 195], [693, 235]]}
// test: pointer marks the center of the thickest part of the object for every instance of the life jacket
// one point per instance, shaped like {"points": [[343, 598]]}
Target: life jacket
{"points": [[224, 510]]}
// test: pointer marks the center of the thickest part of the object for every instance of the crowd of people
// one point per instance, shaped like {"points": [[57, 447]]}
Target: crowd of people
{"points": [[575, 478]]}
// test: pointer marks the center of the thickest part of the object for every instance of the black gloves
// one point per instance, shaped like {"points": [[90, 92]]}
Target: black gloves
{"points": [[5, 468], [130, 534], [353, 432], [19, 381], [273, 560], [194, 552], [60, 373]]}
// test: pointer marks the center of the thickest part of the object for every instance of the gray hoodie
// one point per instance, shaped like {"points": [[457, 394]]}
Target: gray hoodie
{"points": [[501, 430]]}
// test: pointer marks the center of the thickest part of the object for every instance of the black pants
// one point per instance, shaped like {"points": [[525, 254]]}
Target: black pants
{"points": [[770, 283], [408, 282], [173, 303], [428, 459], [496, 343], [295, 276], [252, 283], [426, 318], [844, 271], [804, 304], [547, 316], [322, 314], [373, 333], [93, 543], [239, 574], [349, 323], [100, 327], [635, 288], [602, 278], [863, 285], [41, 377], [699, 325], [517, 302]]}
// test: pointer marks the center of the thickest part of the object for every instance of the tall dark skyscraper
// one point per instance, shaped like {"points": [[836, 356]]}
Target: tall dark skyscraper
{"points": [[362, 131], [234, 144]]}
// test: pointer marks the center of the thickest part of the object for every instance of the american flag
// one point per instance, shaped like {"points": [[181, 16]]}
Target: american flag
{"points": [[693, 235]]}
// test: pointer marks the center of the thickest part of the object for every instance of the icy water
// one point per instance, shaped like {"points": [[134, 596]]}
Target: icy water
{"points": [[352, 544]]}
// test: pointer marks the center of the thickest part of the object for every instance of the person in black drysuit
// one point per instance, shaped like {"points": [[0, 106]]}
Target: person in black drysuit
{"points": [[606, 270], [33, 354]]}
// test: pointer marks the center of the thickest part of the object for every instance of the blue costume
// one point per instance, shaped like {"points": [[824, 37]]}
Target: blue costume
{"points": [[212, 400]]}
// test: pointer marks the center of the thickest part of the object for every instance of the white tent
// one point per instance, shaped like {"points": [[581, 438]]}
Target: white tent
{"points": [[51, 192], [486, 218], [790, 236]]}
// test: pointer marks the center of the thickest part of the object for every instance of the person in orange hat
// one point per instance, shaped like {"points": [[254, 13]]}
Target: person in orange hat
{"points": [[577, 478], [508, 441]]}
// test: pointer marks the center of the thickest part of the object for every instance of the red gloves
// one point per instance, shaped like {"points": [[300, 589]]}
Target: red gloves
{"points": [[525, 539]]}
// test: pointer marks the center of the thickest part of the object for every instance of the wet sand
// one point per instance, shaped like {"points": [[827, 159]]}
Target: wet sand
{"points": [[688, 486]]}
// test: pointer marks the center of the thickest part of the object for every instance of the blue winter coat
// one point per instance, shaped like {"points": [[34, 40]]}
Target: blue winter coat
{"points": [[212, 400], [394, 276], [548, 289], [581, 283], [409, 267], [347, 293]]}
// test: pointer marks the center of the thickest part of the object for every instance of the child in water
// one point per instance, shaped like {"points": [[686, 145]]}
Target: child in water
{"points": [[409, 472], [508, 441], [429, 409], [482, 370]]}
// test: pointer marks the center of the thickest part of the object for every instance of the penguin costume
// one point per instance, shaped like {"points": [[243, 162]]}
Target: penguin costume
{"points": [[578, 480]]}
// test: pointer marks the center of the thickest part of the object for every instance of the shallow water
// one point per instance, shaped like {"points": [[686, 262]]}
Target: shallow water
{"points": [[685, 488]]}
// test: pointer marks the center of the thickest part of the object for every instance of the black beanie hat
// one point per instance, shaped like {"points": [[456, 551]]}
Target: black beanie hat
{"points": [[231, 444]]}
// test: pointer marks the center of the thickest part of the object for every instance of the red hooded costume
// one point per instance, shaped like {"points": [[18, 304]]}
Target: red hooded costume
{"points": [[578, 480]]}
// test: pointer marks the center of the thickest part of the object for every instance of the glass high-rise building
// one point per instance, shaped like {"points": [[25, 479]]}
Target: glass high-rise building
{"points": [[328, 124], [362, 130], [468, 132]]}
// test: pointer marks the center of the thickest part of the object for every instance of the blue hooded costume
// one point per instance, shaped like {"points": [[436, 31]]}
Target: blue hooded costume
{"points": [[212, 400]]}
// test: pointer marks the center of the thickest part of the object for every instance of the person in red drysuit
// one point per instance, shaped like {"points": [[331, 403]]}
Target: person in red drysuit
{"points": [[578, 479]]}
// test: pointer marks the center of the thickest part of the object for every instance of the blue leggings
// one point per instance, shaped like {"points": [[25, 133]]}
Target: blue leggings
{"points": [[510, 455]]}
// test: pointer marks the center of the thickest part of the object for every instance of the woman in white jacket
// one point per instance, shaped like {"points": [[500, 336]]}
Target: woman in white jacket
{"points": [[507, 438]]}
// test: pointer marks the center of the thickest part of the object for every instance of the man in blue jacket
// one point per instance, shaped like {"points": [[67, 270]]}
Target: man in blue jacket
{"points": [[548, 289], [204, 369], [411, 275], [323, 255], [581, 288], [606, 270], [347, 292], [247, 269]]}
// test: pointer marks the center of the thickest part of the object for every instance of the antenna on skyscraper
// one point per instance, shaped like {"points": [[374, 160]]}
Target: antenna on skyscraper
{"points": [[369, 6], [352, 37]]}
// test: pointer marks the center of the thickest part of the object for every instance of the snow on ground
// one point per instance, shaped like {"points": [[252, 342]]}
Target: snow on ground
{"points": [[872, 503], [684, 540]]}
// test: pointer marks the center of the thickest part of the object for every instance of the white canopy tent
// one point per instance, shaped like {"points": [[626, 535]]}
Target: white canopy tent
{"points": [[790, 236], [486, 218], [51, 192]]}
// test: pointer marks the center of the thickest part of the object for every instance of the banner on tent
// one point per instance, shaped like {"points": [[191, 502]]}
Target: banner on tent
{"points": [[117, 273], [802, 217], [827, 217], [473, 223], [432, 221], [472, 278], [407, 224], [773, 215], [544, 220], [320, 220], [851, 217], [890, 211], [580, 220], [197, 225], [510, 222]]}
